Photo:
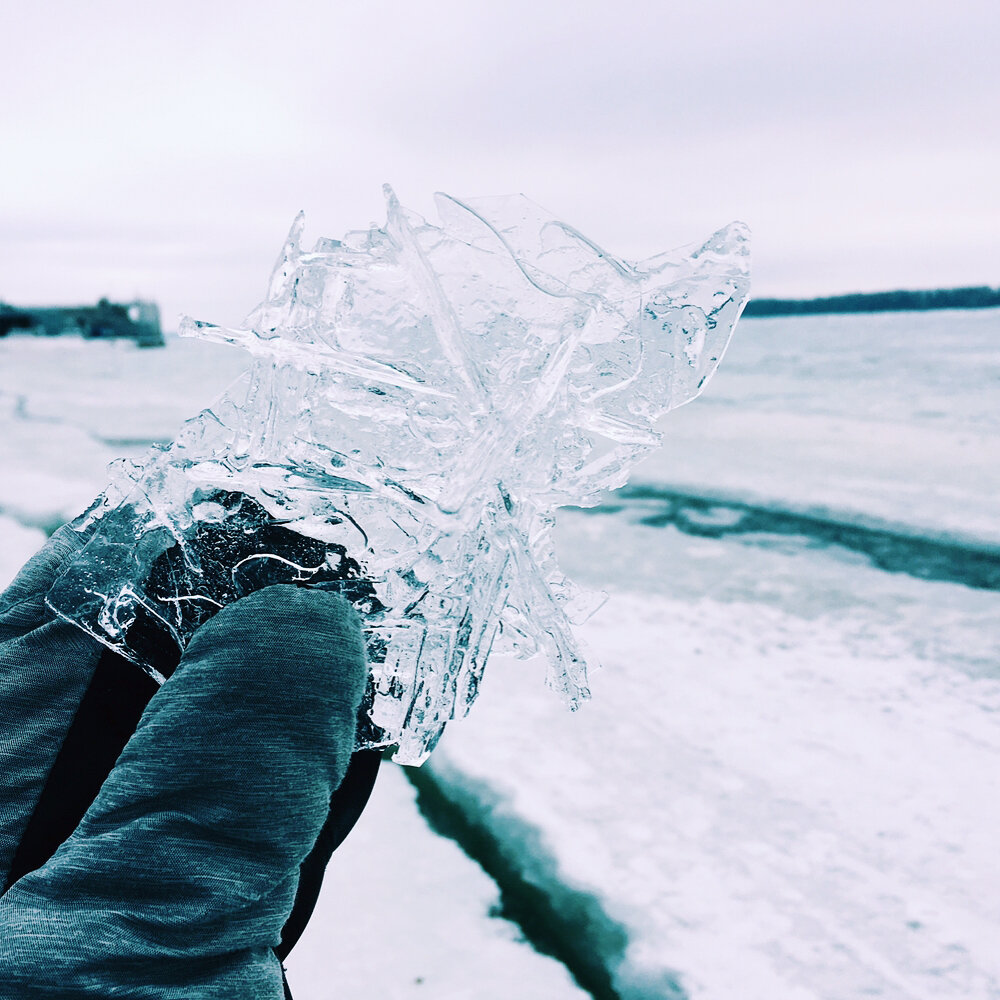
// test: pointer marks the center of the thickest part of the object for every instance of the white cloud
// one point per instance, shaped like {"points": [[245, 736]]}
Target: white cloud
{"points": [[170, 147]]}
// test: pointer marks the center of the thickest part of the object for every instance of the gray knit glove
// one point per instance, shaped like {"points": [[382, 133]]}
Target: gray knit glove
{"points": [[179, 879], [45, 667]]}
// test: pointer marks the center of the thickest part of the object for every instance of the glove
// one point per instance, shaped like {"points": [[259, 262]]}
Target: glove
{"points": [[45, 667], [179, 878]]}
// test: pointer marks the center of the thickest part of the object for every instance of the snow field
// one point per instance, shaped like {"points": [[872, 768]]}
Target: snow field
{"points": [[786, 784], [69, 407], [930, 481], [887, 418], [404, 913], [766, 811]]}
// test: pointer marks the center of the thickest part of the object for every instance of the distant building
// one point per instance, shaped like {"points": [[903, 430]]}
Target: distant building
{"points": [[138, 321]]}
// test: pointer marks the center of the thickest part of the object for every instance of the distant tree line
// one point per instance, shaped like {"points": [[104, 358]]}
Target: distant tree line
{"points": [[981, 297]]}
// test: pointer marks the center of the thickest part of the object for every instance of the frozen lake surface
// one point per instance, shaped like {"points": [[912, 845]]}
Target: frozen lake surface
{"points": [[787, 782], [887, 419]]}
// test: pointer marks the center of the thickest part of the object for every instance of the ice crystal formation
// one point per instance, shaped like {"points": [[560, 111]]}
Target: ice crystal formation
{"points": [[420, 400]]}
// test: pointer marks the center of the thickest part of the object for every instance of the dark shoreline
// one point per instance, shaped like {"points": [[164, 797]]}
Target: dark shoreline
{"points": [[980, 297]]}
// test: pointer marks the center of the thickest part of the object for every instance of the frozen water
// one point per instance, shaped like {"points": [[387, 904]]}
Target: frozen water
{"points": [[420, 400], [889, 420], [815, 786]]}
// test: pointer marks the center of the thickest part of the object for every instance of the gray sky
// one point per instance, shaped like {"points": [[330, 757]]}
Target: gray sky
{"points": [[164, 150]]}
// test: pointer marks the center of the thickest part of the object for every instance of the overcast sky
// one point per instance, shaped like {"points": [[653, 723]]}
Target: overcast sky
{"points": [[163, 150]]}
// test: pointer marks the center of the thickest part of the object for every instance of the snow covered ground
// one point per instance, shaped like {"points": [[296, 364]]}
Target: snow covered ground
{"points": [[69, 407], [404, 913], [786, 784], [890, 417]]}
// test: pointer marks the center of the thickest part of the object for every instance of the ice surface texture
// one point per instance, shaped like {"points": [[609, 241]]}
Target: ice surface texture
{"points": [[421, 399]]}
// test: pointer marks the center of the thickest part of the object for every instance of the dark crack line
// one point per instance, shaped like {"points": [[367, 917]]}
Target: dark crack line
{"points": [[894, 551], [556, 920]]}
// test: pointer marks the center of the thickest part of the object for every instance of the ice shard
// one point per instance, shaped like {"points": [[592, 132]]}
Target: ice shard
{"points": [[420, 400]]}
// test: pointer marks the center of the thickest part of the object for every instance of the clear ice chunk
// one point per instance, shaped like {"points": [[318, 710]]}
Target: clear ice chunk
{"points": [[420, 400]]}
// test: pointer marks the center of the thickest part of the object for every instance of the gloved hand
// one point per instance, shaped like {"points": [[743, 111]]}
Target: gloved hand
{"points": [[180, 877], [22, 604], [45, 667]]}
